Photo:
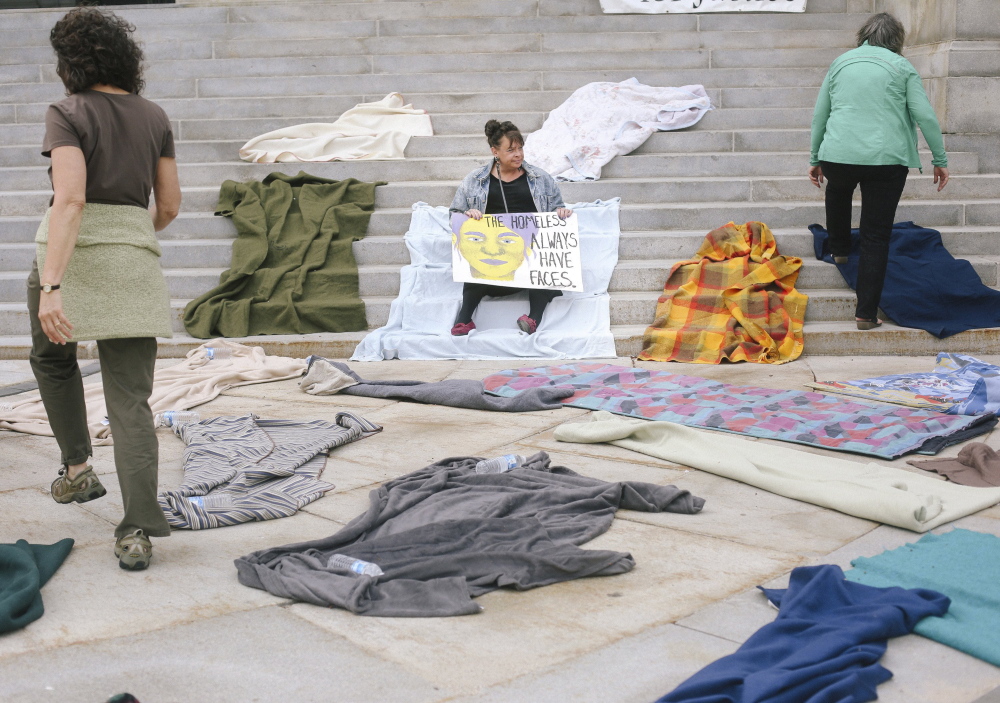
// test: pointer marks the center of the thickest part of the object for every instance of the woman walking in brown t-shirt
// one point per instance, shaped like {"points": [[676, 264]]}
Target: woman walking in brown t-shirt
{"points": [[97, 274]]}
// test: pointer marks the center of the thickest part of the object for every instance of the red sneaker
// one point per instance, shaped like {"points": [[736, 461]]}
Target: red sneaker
{"points": [[527, 324], [462, 328]]}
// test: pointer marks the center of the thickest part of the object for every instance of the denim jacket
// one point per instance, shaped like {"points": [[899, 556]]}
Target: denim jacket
{"points": [[475, 188]]}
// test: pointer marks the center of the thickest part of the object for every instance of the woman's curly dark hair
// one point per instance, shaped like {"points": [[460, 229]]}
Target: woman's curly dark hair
{"points": [[94, 46]]}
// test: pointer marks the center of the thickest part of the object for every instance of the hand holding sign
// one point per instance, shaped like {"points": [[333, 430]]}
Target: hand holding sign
{"points": [[519, 250]]}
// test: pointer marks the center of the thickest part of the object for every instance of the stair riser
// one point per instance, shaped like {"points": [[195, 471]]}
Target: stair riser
{"points": [[623, 312], [524, 42], [226, 147], [243, 129], [710, 216], [403, 64], [725, 43], [156, 30], [195, 175], [899, 342], [51, 92], [639, 284], [737, 164], [504, 81], [207, 32], [247, 117]]}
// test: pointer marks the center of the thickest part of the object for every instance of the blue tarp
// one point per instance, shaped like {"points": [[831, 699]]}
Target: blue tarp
{"points": [[825, 644], [925, 286]]}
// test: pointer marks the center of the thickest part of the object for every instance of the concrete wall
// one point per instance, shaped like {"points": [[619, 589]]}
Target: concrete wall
{"points": [[955, 45]]}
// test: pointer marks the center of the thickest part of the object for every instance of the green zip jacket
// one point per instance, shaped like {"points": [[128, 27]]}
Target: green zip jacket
{"points": [[867, 111]]}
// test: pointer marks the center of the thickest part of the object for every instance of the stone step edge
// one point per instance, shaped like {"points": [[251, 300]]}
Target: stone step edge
{"points": [[412, 97], [434, 159], [821, 338], [678, 233], [623, 265]]}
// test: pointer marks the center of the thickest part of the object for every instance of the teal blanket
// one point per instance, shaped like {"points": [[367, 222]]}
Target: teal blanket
{"points": [[24, 569], [963, 565]]}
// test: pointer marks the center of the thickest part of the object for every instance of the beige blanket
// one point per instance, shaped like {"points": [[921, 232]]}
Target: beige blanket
{"points": [[368, 131], [193, 381], [871, 491]]}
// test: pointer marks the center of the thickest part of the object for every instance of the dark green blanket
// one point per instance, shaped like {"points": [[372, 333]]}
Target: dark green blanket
{"points": [[293, 270], [24, 569]]}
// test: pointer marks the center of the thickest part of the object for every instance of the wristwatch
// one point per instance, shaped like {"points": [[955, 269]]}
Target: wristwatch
{"points": [[48, 288]]}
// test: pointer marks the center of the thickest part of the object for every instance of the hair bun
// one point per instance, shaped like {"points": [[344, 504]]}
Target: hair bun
{"points": [[492, 127]]}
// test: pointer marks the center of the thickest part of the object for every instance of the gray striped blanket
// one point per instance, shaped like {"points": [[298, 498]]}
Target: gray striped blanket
{"points": [[244, 469]]}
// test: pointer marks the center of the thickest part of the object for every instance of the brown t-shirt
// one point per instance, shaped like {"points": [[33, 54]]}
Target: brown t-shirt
{"points": [[122, 137]]}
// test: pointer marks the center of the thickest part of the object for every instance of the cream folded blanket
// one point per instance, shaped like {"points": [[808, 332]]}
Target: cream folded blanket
{"points": [[195, 380], [870, 491], [368, 131]]}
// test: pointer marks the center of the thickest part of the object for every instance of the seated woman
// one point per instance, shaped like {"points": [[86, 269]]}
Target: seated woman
{"points": [[506, 184]]}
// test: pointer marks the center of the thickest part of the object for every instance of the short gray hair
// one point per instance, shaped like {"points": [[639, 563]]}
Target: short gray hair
{"points": [[883, 30]]}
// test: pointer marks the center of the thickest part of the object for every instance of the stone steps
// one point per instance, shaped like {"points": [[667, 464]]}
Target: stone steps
{"points": [[196, 119], [550, 43], [628, 308], [821, 339], [453, 168], [27, 153], [227, 72], [401, 64]]}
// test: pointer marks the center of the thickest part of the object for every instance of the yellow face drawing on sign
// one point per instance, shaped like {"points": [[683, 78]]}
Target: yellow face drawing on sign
{"points": [[493, 250]]}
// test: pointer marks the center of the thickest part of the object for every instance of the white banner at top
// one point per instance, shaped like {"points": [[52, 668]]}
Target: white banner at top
{"points": [[652, 7]]}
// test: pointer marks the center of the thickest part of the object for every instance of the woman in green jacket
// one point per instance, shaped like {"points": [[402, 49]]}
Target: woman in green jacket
{"points": [[864, 132]]}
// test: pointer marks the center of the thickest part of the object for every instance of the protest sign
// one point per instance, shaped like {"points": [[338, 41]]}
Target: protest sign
{"points": [[649, 7], [519, 250]]}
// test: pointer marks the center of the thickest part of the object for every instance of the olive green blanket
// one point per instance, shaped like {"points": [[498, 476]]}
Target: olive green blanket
{"points": [[292, 270]]}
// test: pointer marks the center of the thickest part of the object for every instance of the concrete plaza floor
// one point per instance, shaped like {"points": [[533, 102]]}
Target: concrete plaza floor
{"points": [[186, 630]]}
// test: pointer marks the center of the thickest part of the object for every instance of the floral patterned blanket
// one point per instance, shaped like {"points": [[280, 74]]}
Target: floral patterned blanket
{"points": [[602, 120], [816, 419]]}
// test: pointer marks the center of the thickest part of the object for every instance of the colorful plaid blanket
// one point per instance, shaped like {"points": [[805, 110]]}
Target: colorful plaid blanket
{"points": [[958, 385], [736, 301], [826, 421]]}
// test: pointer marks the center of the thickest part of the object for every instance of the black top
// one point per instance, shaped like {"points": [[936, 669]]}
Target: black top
{"points": [[517, 193]]}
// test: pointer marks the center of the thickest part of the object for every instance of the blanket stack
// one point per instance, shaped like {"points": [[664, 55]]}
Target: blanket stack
{"points": [[735, 301]]}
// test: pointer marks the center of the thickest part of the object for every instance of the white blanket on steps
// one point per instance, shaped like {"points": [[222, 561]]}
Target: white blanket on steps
{"points": [[603, 120], [369, 131], [575, 325]]}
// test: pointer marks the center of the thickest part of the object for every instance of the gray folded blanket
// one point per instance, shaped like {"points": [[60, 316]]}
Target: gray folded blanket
{"points": [[325, 377]]}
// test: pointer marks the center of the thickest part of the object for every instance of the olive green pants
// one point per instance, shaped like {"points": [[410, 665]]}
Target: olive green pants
{"points": [[127, 373]]}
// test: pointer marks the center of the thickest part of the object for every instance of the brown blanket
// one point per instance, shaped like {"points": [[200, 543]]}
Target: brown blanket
{"points": [[976, 465]]}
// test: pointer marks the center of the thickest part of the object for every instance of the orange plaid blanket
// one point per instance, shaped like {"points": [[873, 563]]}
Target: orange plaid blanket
{"points": [[736, 301]]}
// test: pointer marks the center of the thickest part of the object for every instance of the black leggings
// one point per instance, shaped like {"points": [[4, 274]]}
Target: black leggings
{"points": [[881, 189], [473, 294]]}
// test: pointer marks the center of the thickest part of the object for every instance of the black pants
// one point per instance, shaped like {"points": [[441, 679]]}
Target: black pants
{"points": [[881, 189], [473, 294]]}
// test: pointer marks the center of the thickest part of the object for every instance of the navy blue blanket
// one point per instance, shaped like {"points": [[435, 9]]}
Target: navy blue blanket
{"points": [[925, 286], [824, 645]]}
